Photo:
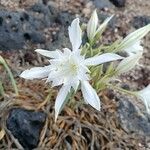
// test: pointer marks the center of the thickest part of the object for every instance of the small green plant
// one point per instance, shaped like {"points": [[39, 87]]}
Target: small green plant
{"points": [[4, 64]]}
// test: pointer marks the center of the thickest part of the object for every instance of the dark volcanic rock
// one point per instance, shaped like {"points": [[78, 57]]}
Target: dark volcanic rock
{"points": [[119, 3], [18, 27], [64, 18], [140, 21], [102, 4], [26, 126], [60, 40], [131, 119]]}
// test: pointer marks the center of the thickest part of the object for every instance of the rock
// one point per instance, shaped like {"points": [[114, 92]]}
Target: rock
{"points": [[64, 18], [60, 40], [18, 27], [102, 4], [119, 3], [26, 126], [140, 21], [131, 119]]}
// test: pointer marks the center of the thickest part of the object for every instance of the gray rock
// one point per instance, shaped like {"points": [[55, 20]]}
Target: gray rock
{"points": [[60, 40], [26, 126], [131, 119], [18, 27], [102, 4], [140, 21], [119, 3], [64, 18]]}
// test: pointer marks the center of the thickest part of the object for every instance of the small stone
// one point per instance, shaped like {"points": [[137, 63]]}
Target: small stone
{"points": [[26, 126], [131, 119], [140, 21], [119, 3]]}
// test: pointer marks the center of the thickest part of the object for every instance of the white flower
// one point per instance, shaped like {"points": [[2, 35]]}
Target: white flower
{"points": [[135, 48], [92, 29], [144, 95], [92, 25], [131, 43], [128, 63], [69, 69]]}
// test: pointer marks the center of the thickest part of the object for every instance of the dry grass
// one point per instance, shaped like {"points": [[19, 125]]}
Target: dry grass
{"points": [[79, 128]]}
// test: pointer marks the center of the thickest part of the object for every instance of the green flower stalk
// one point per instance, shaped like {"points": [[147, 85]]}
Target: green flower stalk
{"points": [[3, 62], [1, 89]]}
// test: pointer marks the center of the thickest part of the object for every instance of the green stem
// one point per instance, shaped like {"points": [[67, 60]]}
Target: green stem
{"points": [[1, 89], [121, 89], [10, 75]]}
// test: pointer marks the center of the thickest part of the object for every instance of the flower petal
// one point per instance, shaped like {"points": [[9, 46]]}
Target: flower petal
{"points": [[61, 97], [92, 25], [133, 37], [36, 73], [144, 95], [51, 54], [102, 27], [90, 95], [107, 57], [75, 34], [135, 48], [128, 63]]}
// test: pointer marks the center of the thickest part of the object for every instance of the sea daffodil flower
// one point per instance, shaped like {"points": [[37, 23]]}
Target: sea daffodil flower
{"points": [[69, 69], [131, 43], [134, 49], [128, 63], [144, 95]]}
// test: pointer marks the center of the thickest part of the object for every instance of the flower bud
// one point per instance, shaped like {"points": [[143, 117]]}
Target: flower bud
{"points": [[128, 63], [103, 26], [92, 25], [135, 48], [132, 41]]}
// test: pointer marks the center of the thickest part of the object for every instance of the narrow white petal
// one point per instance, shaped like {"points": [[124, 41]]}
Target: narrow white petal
{"points": [[135, 48], [51, 54], [92, 25], [138, 34], [75, 34], [36, 73], [102, 27], [75, 85], [107, 57], [146, 92], [144, 95], [67, 52], [133, 37], [128, 63], [90, 95], [62, 94], [56, 82]]}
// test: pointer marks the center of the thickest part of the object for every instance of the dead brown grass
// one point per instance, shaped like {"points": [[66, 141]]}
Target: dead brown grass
{"points": [[81, 128]]}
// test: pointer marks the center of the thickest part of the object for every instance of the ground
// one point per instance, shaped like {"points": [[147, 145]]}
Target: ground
{"points": [[81, 127]]}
